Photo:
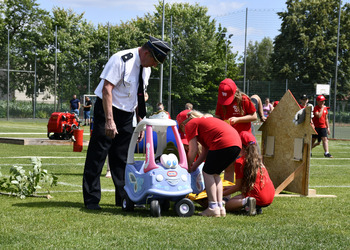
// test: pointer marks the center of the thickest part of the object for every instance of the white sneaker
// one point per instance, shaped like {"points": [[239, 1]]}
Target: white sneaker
{"points": [[250, 206], [211, 212], [222, 212], [108, 174]]}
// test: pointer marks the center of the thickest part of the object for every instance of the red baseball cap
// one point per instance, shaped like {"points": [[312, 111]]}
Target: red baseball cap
{"points": [[227, 90], [275, 103], [247, 138], [320, 98]]}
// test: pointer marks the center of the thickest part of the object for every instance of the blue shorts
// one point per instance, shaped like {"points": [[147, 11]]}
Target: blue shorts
{"points": [[76, 111], [87, 114], [321, 132]]}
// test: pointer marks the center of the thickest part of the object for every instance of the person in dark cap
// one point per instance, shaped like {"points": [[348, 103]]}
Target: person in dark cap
{"points": [[120, 93], [303, 101]]}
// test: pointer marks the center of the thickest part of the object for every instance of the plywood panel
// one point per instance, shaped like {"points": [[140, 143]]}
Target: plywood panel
{"points": [[280, 125]]}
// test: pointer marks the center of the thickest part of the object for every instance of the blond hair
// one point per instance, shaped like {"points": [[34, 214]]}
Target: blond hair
{"points": [[239, 96]]}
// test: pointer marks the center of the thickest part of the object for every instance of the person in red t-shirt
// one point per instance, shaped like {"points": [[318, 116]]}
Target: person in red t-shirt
{"points": [[221, 145], [252, 180], [321, 123], [236, 109]]}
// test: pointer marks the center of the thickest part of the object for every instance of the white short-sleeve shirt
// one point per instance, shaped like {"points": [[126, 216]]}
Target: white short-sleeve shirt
{"points": [[125, 78]]}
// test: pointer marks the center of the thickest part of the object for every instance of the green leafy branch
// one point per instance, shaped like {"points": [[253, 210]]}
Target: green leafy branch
{"points": [[22, 185]]}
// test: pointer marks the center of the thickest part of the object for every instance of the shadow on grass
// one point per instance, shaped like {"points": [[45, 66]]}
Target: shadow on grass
{"points": [[106, 208]]}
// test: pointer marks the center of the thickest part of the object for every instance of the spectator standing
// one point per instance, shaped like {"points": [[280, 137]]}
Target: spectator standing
{"points": [[160, 108], [267, 107], [258, 106], [74, 105], [87, 110], [189, 106]]}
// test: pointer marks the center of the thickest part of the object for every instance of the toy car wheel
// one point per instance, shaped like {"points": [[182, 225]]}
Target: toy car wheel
{"points": [[127, 204], [184, 207], [155, 208], [165, 205]]}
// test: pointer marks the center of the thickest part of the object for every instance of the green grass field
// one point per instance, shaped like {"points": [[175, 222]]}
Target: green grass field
{"points": [[63, 223]]}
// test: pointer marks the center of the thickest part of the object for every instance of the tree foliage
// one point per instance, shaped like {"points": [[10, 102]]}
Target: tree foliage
{"points": [[198, 52], [258, 60], [198, 55], [305, 50]]}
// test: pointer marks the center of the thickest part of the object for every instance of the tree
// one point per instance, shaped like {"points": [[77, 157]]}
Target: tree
{"points": [[23, 19], [258, 60], [74, 38], [198, 52], [305, 50]]}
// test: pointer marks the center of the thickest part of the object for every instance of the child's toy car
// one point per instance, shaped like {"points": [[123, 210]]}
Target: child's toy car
{"points": [[157, 182]]}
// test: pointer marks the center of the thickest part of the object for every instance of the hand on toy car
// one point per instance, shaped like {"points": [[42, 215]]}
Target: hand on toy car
{"points": [[141, 135]]}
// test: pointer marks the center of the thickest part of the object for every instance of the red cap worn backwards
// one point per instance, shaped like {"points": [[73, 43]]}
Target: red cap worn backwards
{"points": [[227, 90], [247, 138]]}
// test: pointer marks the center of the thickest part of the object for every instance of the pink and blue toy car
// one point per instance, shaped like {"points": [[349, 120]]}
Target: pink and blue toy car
{"points": [[163, 176]]}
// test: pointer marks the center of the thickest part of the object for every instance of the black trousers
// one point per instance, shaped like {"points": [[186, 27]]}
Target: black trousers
{"points": [[99, 147]]}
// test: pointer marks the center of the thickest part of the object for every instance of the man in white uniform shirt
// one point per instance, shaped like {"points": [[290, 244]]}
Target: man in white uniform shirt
{"points": [[117, 100]]}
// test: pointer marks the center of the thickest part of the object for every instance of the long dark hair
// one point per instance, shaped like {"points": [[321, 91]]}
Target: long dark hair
{"points": [[253, 164]]}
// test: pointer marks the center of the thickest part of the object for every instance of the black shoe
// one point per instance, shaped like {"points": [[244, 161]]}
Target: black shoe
{"points": [[259, 210], [250, 206], [93, 207], [328, 155]]}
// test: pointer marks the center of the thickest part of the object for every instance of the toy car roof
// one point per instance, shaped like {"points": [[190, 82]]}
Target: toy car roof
{"points": [[157, 124]]}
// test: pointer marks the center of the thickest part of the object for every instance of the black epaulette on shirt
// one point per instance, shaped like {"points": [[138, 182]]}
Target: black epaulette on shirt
{"points": [[127, 56]]}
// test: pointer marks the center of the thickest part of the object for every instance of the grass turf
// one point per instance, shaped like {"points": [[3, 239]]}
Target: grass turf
{"points": [[62, 222]]}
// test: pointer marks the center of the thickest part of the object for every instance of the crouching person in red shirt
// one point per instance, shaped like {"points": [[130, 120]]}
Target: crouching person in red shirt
{"points": [[252, 180]]}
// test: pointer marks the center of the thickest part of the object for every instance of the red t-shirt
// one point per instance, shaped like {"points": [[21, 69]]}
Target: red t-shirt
{"points": [[320, 122], [212, 133], [239, 163], [232, 110], [263, 190]]}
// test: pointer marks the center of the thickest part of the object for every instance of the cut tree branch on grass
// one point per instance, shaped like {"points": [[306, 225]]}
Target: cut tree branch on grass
{"points": [[22, 185]]}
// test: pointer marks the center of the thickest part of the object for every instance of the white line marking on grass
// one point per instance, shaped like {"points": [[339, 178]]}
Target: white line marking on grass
{"points": [[76, 191], [332, 166], [68, 184], [45, 157], [54, 157], [21, 133], [330, 159], [329, 186]]}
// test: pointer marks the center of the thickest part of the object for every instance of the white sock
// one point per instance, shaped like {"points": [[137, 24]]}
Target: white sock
{"points": [[244, 201], [213, 204]]}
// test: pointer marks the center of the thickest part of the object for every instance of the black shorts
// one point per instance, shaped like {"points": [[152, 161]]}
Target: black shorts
{"points": [[218, 160], [321, 132]]}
